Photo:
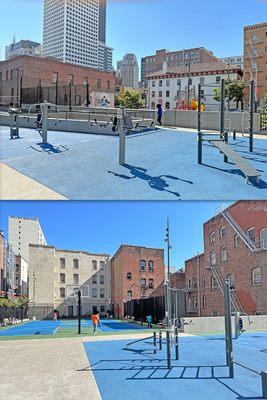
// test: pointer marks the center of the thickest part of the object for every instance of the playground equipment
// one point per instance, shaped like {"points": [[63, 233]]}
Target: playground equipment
{"points": [[42, 118], [14, 121], [220, 141]]}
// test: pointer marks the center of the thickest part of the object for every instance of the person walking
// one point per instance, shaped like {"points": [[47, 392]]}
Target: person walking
{"points": [[95, 320], [55, 315], [159, 113], [149, 321]]}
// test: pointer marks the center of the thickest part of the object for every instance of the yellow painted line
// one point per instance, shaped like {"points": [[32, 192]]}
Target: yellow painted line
{"points": [[16, 186]]}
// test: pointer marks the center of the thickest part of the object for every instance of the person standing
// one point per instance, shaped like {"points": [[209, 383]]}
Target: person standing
{"points": [[95, 320], [55, 316], [159, 113], [149, 321]]}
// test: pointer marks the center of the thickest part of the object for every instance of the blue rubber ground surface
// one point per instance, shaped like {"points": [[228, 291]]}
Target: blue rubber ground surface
{"points": [[160, 166], [200, 374], [50, 327]]}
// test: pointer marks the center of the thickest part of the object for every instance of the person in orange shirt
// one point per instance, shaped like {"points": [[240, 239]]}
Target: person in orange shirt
{"points": [[95, 320]]}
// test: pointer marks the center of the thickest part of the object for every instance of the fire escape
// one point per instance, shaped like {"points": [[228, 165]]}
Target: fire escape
{"points": [[252, 246]]}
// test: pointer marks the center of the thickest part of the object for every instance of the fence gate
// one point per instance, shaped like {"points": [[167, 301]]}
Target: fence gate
{"points": [[263, 121]]}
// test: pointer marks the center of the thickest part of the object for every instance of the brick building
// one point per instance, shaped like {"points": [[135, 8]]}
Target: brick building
{"points": [[136, 272], [24, 72], [235, 247], [255, 59], [153, 63]]}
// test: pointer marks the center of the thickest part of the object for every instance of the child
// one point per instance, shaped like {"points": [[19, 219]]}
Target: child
{"points": [[149, 321], [95, 320], [159, 107], [55, 316]]}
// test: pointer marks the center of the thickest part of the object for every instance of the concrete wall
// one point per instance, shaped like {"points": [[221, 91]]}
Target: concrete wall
{"points": [[216, 324]]}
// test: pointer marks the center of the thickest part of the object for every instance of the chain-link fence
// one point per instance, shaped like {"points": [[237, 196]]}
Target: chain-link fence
{"points": [[13, 313]]}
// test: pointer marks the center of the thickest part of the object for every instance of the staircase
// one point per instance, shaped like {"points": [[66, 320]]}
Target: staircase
{"points": [[253, 246], [237, 306]]}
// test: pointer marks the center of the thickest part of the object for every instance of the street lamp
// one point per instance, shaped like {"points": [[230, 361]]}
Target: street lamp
{"points": [[167, 240], [188, 64]]}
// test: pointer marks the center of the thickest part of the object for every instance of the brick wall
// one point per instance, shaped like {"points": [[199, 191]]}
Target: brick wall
{"points": [[127, 260]]}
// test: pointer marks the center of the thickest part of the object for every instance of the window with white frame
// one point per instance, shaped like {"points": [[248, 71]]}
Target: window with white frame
{"points": [[75, 279], [75, 263], [62, 292], [94, 293], [263, 238], [102, 264], [62, 278], [212, 237], [102, 279], [223, 253], [142, 265], [94, 264], [168, 82], [189, 283], [151, 283], [143, 282], [237, 240], [256, 276], [151, 266], [204, 301], [129, 275], [195, 301], [251, 234], [102, 293], [222, 232], [213, 257], [62, 262], [94, 279]]}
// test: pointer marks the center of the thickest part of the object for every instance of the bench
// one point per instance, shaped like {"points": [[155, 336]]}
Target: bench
{"points": [[248, 170]]}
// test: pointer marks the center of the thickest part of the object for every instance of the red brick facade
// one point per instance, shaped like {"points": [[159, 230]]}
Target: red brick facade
{"points": [[30, 71], [232, 258], [136, 272]]}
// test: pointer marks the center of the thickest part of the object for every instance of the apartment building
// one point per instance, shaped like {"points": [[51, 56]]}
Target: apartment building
{"points": [[235, 248], [155, 62], [255, 60], [169, 87], [56, 276], [136, 272], [23, 48], [22, 232], [21, 276], [237, 61], [8, 269]]}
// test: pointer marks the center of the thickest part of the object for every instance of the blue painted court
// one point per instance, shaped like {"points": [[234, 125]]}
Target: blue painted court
{"points": [[161, 165], [200, 374], [34, 328]]}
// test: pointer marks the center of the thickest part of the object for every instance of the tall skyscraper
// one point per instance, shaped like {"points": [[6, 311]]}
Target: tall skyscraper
{"points": [[22, 232], [102, 20], [129, 71], [71, 31]]}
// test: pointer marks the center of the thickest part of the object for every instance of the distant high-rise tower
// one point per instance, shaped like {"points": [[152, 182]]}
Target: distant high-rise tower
{"points": [[102, 20], [129, 71], [71, 31]]}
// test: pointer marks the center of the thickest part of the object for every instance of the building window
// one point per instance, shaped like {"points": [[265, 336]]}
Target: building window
{"points": [[151, 283], [6, 75], [203, 280], [62, 262], [151, 266], [129, 275], [129, 295], [75, 263], [204, 301], [254, 37], [212, 237], [194, 282], [102, 309], [256, 277], [62, 292], [160, 83], [102, 293], [143, 283], [102, 279], [222, 232], [94, 264], [189, 284], [251, 234], [223, 254], [195, 301], [167, 82], [153, 83], [94, 293], [62, 278], [237, 240], [94, 279], [218, 79], [213, 257], [214, 284], [102, 264], [167, 93], [153, 93], [75, 279], [263, 238], [142, 265], [160, 93], [179, 82], [55, 77]]}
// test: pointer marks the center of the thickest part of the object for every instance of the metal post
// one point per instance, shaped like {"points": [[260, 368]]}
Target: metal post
{"points": [[264, 384], [176, 324], [234, 134], [56, 100], [168, 347], [34, 292], [44, 107], [20, 95], [122, 138], [167, 240], [199, 132], [87, 94], [222, 115], [155, 342], [228, 329], [251, 114], [79, 312], [160, 340]]}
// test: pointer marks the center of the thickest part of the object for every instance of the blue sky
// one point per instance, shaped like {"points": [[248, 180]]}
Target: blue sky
{"points": [[142, 26], [103, 226]]}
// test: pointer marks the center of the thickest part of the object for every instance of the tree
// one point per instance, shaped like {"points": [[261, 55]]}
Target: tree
{"points": [[235, 90], [129, 99]]}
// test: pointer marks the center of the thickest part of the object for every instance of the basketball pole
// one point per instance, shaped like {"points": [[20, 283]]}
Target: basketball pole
{"points": [[79, 312]]}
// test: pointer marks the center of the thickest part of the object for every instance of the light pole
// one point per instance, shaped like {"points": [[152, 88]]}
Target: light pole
{"points": [[167, 240], [34, 291]]}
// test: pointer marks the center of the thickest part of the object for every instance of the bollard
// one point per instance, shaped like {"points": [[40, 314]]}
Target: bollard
{"points": [[226, 141], [199, 143], [160, 340], [234, 134], [176, 340], [155, 342], [264, 384]]}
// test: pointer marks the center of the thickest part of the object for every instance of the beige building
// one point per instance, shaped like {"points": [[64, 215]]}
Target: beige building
{"points": [[22, 232], [21, 276], [56, 276], [255, 59]]}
